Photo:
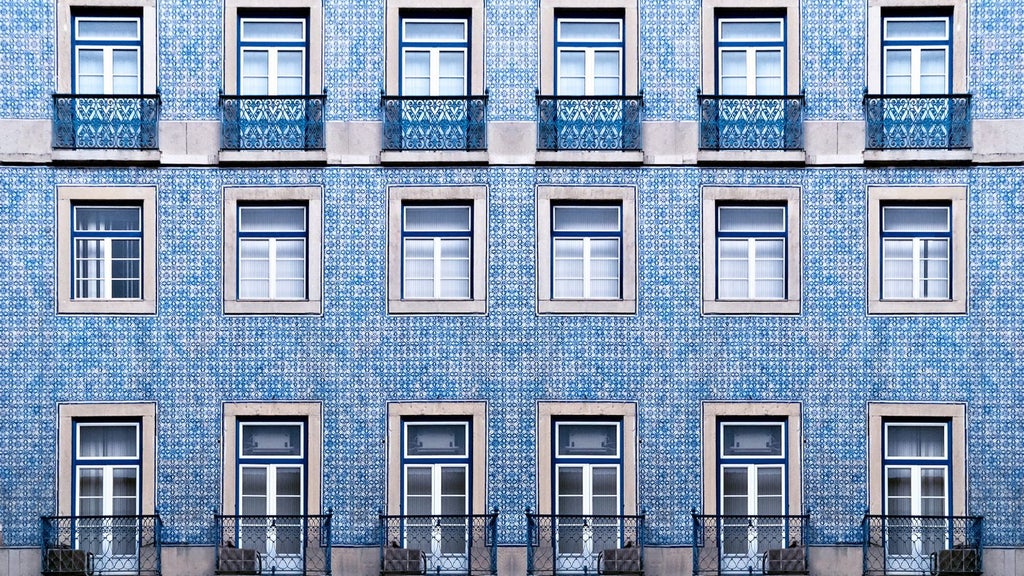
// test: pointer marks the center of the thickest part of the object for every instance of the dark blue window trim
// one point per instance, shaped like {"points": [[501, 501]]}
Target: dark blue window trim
{"points": [[947, 461], [272, 15], [100, 13], [102, 234], [76, 461], [593, 234], [241, 460], [468, 235], [756, 460], [947, 236], [556, 459], [435, 15], [751, 14], [593, 15], [946, 14], [467, 460], [783, 235], [263, 235]]}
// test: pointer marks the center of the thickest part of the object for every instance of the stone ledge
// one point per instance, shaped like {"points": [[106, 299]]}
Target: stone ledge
{"points": [[590, 157], [272, 157], [751, 157], [433, 157]]}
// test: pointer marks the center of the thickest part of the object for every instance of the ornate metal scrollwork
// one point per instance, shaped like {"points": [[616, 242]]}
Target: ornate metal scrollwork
{"points": [[272, 122], [751, 122], [589, 122], [926, 121], [434, 123], [125, 122]]}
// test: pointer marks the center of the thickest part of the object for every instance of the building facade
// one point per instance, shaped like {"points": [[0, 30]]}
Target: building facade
{"points": [[511, 288]]}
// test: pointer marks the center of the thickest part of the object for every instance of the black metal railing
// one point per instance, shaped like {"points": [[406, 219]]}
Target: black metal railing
{"points": [[456, 544], [940, 121], [936, 545], [434, 122], [274, 544], [104, 121], [751, 122], [100, 545], [569, 544], [272, 122], [749, 544], [589, 122]]}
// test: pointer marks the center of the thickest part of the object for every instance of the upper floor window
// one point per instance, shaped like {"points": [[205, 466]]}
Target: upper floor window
{"points": [[751, 252], [107, 53], [273, 52], [435, 56], [916, 242], [272, 252], [586, 251], [751, 55], [917, 54], [107, 245], [589, 56], [437, 251]]}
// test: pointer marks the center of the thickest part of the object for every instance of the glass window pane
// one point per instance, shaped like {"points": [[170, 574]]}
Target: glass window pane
{"points": [[108, 29], [90, 482], [750, 30], [291, 249], [434, 30], [90, 219], [271, 440], [589, 30], [273, 30], [587, 439], [255, 63], [916, 441], [290, 63], [254, 481], [605, 481], [452, 63], [271, 219], [752, 440], [108, 441], [437, 218], [570, 481], [770, 249], [453, 481], [586, 219], [436, 439], [900, 29], [606, 63], [734, 483], [751, 219], [915, 219], [289, 481]]}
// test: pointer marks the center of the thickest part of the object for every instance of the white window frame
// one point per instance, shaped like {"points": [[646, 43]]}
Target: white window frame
{"points": [[108, 52], [587, 279], [589, 54], [711, 10], [272, 53], [875, 31], [434, 50], [549, 51], [66, 84], [473, 196], [437, 240], [474, 64], [712, 197], [271, 239], [915, 51], [751, 53], [286, 196], [956, 198], [106, 239]]}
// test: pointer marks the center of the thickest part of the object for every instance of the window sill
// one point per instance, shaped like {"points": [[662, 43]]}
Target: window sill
{"points": [[107, 307], [917, 155], [751, 157], [590, 157], [586, 307], [272, 157], [437, 307], [107, 155], [433, 157], [273, 307], [915, 307], [751, 307]]}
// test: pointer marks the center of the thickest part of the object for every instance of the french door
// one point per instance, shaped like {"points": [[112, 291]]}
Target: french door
{"points": [[752, 506], [108, 521], [587, 511], [271, 507], [437, 505]]}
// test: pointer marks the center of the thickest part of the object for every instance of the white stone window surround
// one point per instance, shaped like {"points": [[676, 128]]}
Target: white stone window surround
{"points": [[625, 196], [70, 412], [309, 196], [309, 412], [476, 197], [143, 196], [711, 197], [953, 196]]}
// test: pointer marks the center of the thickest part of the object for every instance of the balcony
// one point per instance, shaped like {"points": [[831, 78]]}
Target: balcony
{"points": [[98, 545], [751, 122], [564, 544], [749, 545], [940, 122], [936, 545], [101, 121], [274, 545], [459, 544], [590, 123], [434, 123], [272, 122]]}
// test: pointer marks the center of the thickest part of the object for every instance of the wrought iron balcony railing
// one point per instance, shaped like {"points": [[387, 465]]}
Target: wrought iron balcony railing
{"points": [[565, 544], [274, 545], [458, 544], [272, 122], [589, 122], [749, 544], [936, 545], [434, 122], [941, 121], [751, 122], [98, 545], [104, 121]]}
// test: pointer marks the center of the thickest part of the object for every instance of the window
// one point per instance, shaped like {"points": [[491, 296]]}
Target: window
{"points": [[106, 47], [272, 250], [751, 250], [589, 56], [273, 52], [437, 250], [107, 53], [917, 250], [918, 48], [106, 250], [435, 51], [751, 55], [750, 52], [586, 250]]}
